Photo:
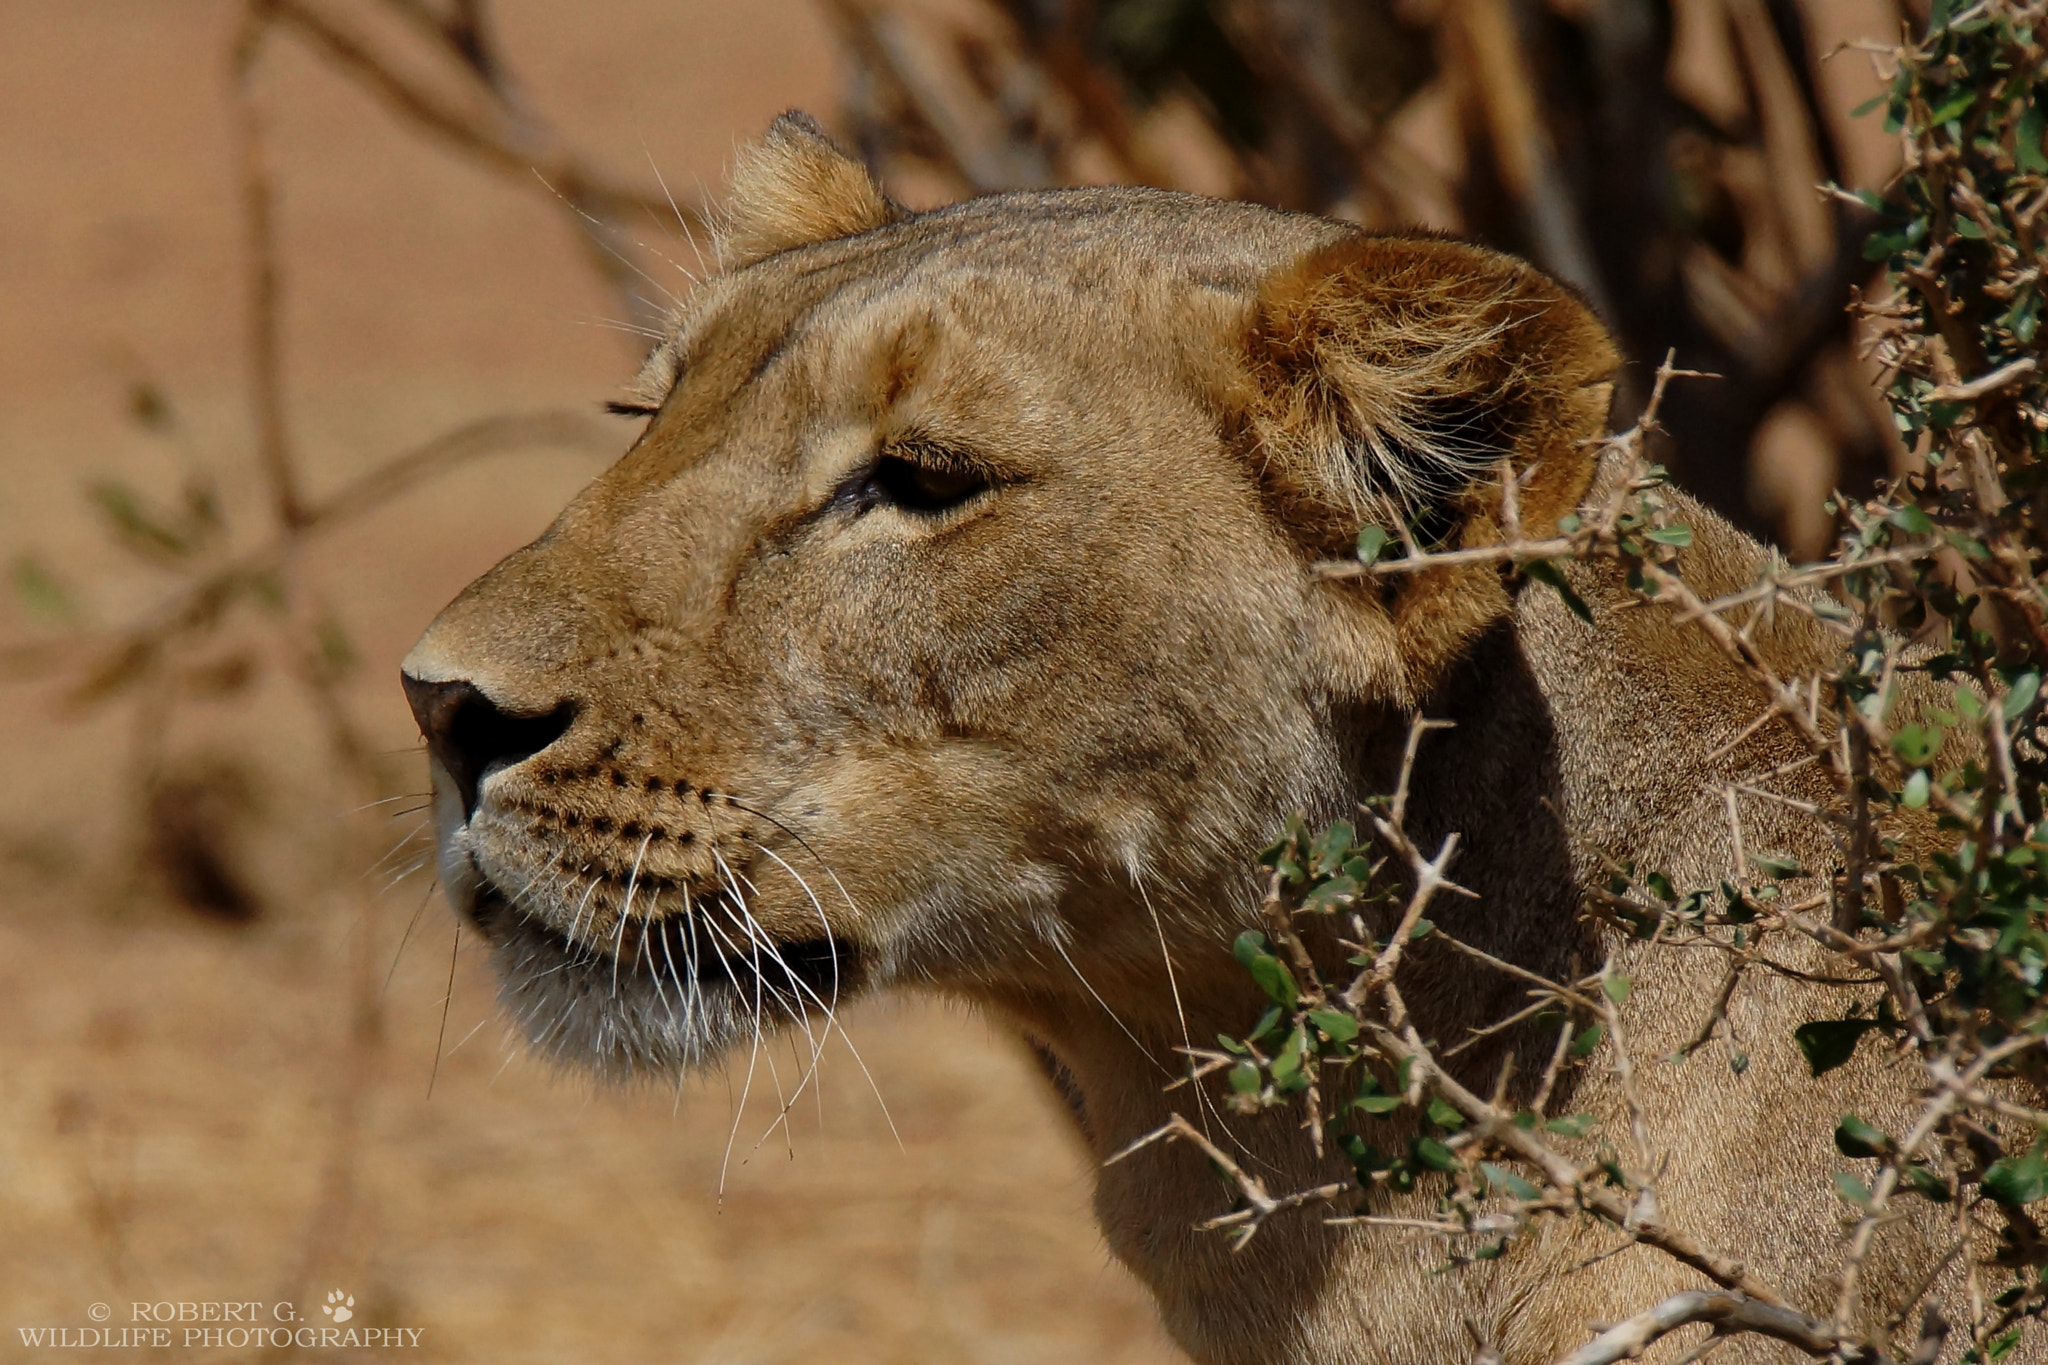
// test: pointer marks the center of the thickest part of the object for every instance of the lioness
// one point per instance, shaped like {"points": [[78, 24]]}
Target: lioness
{"points": [[953, 624]]}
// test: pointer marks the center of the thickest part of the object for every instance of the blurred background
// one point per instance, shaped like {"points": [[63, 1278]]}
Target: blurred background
{"points": [[311, 306]]}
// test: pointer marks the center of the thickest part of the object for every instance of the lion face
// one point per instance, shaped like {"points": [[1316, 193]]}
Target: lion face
{"points": [[953, 617]]}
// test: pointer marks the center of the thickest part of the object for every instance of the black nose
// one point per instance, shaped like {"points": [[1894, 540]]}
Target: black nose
{"points": [[467, 733]]}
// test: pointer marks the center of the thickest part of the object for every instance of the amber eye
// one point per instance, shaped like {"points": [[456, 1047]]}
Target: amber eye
{"points": [[916, 487]]}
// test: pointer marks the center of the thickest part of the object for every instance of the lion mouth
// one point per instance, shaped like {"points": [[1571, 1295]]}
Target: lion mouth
{"points": [[664, 994]]}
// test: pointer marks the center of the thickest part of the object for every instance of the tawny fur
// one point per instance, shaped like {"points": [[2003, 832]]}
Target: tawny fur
{"points": [[1013, 749]]}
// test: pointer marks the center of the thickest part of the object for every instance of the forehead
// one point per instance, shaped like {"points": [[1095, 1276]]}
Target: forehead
{"points": [[1016, 265]]}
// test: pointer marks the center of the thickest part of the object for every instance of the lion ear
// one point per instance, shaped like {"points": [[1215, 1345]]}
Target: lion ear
{"points": [[1391, 375], [794, 187]]}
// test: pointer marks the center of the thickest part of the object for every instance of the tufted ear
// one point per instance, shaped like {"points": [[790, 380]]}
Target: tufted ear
{"points": [[1390, 376], [794, 187]]}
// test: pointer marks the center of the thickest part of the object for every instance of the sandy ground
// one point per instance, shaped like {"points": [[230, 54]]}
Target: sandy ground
{"points": [[168, 1087]]}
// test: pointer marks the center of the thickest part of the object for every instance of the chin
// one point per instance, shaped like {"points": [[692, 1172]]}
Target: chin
{"points": [[658, 997]]}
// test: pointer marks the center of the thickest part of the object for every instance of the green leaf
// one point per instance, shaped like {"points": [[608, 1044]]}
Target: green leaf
{"points": [[40, 592], [2020, 696], [1503, 1179], [1926, 1183], [1433, 1154], [1570, 1125], [1331, 848], [1862, 109], [134, 524], [1287, 1061], [1244, 1079], [1852, 1190], [1917, 790], [1676, 536], [2026, 148], [2016, 1181], [1377, 1104], [1544, 572], [1443, 1116], [1617, 988], [1854, 1137], [1952, 108], [1423, 929], [1969, 546], [1774, 866], [1917, 744], [1268, 1021], [1269, 971], [1830, 1043], [1332, 895], [1588, 1039], [1338, 1028], [1911, 519], [1371, 541]]}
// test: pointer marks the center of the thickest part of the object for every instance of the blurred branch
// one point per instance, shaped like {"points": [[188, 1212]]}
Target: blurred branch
{"points": [[1505, 86], [978, 146], [492, 128]]}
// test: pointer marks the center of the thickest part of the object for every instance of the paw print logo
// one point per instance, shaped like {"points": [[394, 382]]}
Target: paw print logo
{"points": [[339, 1306]]}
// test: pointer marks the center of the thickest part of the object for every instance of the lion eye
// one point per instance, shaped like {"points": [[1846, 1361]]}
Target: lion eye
{"points": [[918, 487]]}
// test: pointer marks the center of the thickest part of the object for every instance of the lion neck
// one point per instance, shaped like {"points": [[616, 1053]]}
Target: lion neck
{"points": [[1494, 773]]}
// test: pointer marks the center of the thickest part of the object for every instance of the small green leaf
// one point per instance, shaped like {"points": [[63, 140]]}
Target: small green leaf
{"points": [[1617, 988], [1678, 537], [1926, 1183], [1331, 848], [1917, 744], [40, 592], [1952, 108], [1829, 1043], [1443, 1116], [2020, 696], [1570, 1125], [1377, 1104], [1269, 971], [1852, 1190], [1911, 519], [2016, 1181], [1544, 572], [1332, 895], [1588, 1039], [1371, 541], [1503, 1179], [2026, 148], [1287, 1061], [1917, 790], [1969, 546], [1854, 1137], [1433, 1154], [1244, 1078], [1774, 866], [1338, 1028], [1268, 1021]]}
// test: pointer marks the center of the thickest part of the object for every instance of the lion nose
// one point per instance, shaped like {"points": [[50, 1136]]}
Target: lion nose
{"points": [[468, 734]]}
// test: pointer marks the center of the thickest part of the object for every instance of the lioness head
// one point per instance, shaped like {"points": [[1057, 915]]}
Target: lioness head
{"points": [[953, 619]]}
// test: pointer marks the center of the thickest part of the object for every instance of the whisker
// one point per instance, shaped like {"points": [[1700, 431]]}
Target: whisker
{"points": [[406, 937], [1061, 949], [446, 1000]]}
